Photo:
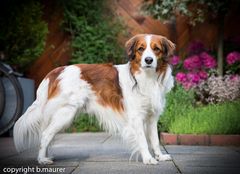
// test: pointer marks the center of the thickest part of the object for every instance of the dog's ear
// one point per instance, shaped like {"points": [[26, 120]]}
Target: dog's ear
{"points": [[130, 48], [168, 47]]}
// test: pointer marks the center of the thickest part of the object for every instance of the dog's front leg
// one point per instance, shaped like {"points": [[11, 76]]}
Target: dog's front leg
{"points": [[154, 140], [142, 142]]}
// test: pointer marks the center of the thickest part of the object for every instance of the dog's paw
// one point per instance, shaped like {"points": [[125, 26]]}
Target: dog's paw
{"points": [[45, 161], [150, 161], [163, 157]]}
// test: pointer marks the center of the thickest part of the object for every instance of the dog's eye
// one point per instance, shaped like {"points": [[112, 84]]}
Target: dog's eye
{"points": [[156, 49], [140, 49]]}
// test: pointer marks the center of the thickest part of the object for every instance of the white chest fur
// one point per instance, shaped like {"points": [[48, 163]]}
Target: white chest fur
{"points": [[145, 95]]}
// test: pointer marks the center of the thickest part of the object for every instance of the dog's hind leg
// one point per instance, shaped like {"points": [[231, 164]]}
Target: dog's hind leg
{"points": [[60, 120]]}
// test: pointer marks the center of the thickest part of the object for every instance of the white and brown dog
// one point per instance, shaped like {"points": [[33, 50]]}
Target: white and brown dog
{"points": [[126, 99]]}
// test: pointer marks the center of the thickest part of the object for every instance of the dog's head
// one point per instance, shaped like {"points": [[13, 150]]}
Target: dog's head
{"points": [[148, 52]]}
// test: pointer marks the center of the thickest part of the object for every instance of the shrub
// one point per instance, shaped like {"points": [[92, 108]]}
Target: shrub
{"points": [[22, 32], [218, 89], [233, 62], [94, 31], [198, 73], [196, 68], [233, 57]]}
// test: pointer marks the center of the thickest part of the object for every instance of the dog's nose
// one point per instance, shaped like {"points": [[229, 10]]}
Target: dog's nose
{"points": [[148, 60]]}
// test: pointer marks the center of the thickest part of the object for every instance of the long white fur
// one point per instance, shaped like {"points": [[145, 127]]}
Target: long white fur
{"points": [[27, 129], [142, 107]]}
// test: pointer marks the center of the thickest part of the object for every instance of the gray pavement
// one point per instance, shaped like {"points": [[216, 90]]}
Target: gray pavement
{"points": [[102, 153]]}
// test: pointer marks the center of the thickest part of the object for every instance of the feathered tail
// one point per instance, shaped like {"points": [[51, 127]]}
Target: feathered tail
{"points": [[27, 129]]}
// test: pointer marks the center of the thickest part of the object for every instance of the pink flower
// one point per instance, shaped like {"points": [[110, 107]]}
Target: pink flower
{"points": [[203, 75], [174, 60], [193, 78], [181, 77], [208, 61], [235, 77], [187, 85], [192, 63], [233, 57]]}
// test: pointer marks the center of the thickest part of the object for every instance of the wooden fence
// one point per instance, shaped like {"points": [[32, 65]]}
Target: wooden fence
{"points": [[58, 52]]}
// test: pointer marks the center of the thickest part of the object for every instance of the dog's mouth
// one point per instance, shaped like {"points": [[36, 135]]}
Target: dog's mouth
{"points": [[148, 67]]}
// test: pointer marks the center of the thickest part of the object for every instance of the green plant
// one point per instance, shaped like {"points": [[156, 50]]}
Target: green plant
{"points": [[84, 123], [182, 116], [196, 11], [22, 32], [94, 31], [178, 102], [218, 89], [211, 119]]}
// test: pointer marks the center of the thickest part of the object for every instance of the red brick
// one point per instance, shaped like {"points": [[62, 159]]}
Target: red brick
{"points": [[167, 138], [225, 140], [189, 139]]}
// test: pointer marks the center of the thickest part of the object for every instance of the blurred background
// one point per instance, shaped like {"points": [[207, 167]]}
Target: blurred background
{"points": [[38, 35]]}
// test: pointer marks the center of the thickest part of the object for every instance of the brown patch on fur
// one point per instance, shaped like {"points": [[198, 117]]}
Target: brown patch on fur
{"points": [[105, 82], [135, 47], [166, 46], [162, 68], [53, 87], [163, 48], [157, 47]]}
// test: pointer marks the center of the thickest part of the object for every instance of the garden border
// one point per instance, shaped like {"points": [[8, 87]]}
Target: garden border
{"points": [[201, 139]]}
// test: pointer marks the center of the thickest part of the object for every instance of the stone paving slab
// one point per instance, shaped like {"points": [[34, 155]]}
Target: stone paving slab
{"points": [[103, 153], [7, 148], [90, 147], [205, 159], [209, 170], [219, 150], [123, 167]]}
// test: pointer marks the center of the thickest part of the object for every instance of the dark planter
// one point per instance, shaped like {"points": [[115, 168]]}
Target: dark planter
{"points": [[16, 94]]}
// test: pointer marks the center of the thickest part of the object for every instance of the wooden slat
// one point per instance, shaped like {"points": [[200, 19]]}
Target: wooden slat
{"points": [[57, 50]]}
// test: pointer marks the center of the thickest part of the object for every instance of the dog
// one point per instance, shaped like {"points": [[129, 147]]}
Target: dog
{"points": [[127, 99]]}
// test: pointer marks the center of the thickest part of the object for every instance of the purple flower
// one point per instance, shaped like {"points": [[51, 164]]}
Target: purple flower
{"points": [[233, 57], [208, 61], [193, 78], [187, 85], [181, 77], [174, 60], [235, 77], [192, 63], [203, 75]]}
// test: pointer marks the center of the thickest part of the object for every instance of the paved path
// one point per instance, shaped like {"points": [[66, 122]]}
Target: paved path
{"points": [[101, 153]]}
